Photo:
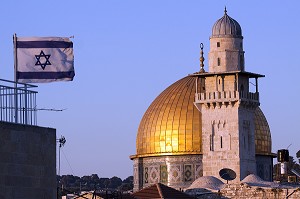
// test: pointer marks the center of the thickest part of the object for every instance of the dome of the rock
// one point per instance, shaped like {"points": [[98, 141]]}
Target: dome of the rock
{"points": [[206, 121], [172, 124]]}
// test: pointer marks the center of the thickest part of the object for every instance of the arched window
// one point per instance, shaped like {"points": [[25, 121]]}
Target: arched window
{"points": [[242, 61], [221, 142], [210, 142], [242, 90]]}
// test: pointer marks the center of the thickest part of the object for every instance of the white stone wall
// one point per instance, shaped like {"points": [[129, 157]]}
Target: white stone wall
{"points": [[230, 83], [230, 53], [247, 141], [227, 128], [217, 123], [244, 191]]}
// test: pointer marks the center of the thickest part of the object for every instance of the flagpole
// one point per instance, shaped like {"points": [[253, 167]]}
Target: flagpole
{"points": [[16, 83]]}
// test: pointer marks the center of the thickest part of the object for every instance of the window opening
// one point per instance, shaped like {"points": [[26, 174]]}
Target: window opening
{"points": [[221, 142], [210, 145], [242, 61]]}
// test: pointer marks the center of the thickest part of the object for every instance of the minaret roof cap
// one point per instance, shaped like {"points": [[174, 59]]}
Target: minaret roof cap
{"points": [[226, 26]]}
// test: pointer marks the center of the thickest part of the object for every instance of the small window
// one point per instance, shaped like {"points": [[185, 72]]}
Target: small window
{"points": [[221, 142], [218, 44], [219, 61], [242, 61], [210, 144]]}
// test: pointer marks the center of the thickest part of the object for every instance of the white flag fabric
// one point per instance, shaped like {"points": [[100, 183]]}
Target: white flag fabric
{"points": [[44, 59]]}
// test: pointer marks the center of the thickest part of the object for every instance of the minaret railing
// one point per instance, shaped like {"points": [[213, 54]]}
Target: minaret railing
{"points": [[223, 96]]}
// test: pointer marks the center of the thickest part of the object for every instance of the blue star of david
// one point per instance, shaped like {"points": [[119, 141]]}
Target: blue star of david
{"points": [[38, 62]]}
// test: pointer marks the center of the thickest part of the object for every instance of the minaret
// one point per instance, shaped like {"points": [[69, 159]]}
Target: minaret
{"points": [[226, 46], [226, 104]]}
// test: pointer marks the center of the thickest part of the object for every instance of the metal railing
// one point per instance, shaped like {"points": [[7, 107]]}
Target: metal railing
{"points": [[18, 102]]}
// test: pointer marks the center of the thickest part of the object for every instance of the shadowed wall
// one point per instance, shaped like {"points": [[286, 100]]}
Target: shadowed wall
{"points": [[27, 162]]}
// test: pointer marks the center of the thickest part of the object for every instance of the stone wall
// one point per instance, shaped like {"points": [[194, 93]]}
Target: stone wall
{"points": [[229, 52], [27, 162], [243, 191], [264, 167]]}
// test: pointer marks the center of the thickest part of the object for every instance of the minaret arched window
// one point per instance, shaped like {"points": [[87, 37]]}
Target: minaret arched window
{"points": [[218, 44], [219, 61], [221, 140], [242, 90], [242, 61]]}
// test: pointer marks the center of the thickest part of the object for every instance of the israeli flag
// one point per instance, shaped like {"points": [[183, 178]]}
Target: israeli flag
{"points": [[44, 59]]}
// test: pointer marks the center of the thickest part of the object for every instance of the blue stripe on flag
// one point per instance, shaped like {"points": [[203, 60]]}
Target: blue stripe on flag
{"points": [[44, 44], [45, 75]]}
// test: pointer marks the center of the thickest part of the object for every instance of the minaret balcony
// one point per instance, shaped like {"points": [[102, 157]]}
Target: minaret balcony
{"points": [[226, 96]]}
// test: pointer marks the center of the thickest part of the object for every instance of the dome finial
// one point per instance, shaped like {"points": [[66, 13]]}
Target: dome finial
{"points": [[201, 59], [226, 26]]}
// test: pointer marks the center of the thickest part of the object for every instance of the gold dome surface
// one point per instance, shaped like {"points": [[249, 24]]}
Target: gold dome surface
{"points": [[263, 141], [172, 124]]}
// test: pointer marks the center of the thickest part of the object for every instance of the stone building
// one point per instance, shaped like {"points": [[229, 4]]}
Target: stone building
{"points": [[27, 151], [27, 161], [206, 121]]}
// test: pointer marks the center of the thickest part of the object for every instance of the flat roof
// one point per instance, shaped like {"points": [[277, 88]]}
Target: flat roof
{"points": [[245, 73]]}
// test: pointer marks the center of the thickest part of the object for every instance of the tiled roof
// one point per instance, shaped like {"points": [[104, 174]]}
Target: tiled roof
{"points": [[160, 191]]}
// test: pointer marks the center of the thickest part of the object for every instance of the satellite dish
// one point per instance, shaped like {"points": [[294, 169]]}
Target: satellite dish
{"points": [[227, 174]]}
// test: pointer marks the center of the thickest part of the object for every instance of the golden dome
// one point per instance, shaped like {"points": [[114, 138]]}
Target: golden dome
{"points": [[263, 141], [172, 124]]}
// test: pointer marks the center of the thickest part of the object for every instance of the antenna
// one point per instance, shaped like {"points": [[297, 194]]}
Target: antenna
{"points": [[62, 140], [295, 172], [49, 109]]}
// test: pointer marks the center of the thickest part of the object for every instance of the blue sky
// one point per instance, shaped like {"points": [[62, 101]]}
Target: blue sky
{"points": [[127, 52]]}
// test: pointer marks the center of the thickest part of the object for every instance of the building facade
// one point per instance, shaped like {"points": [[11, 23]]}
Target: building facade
{"points": [[27, 161]]}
